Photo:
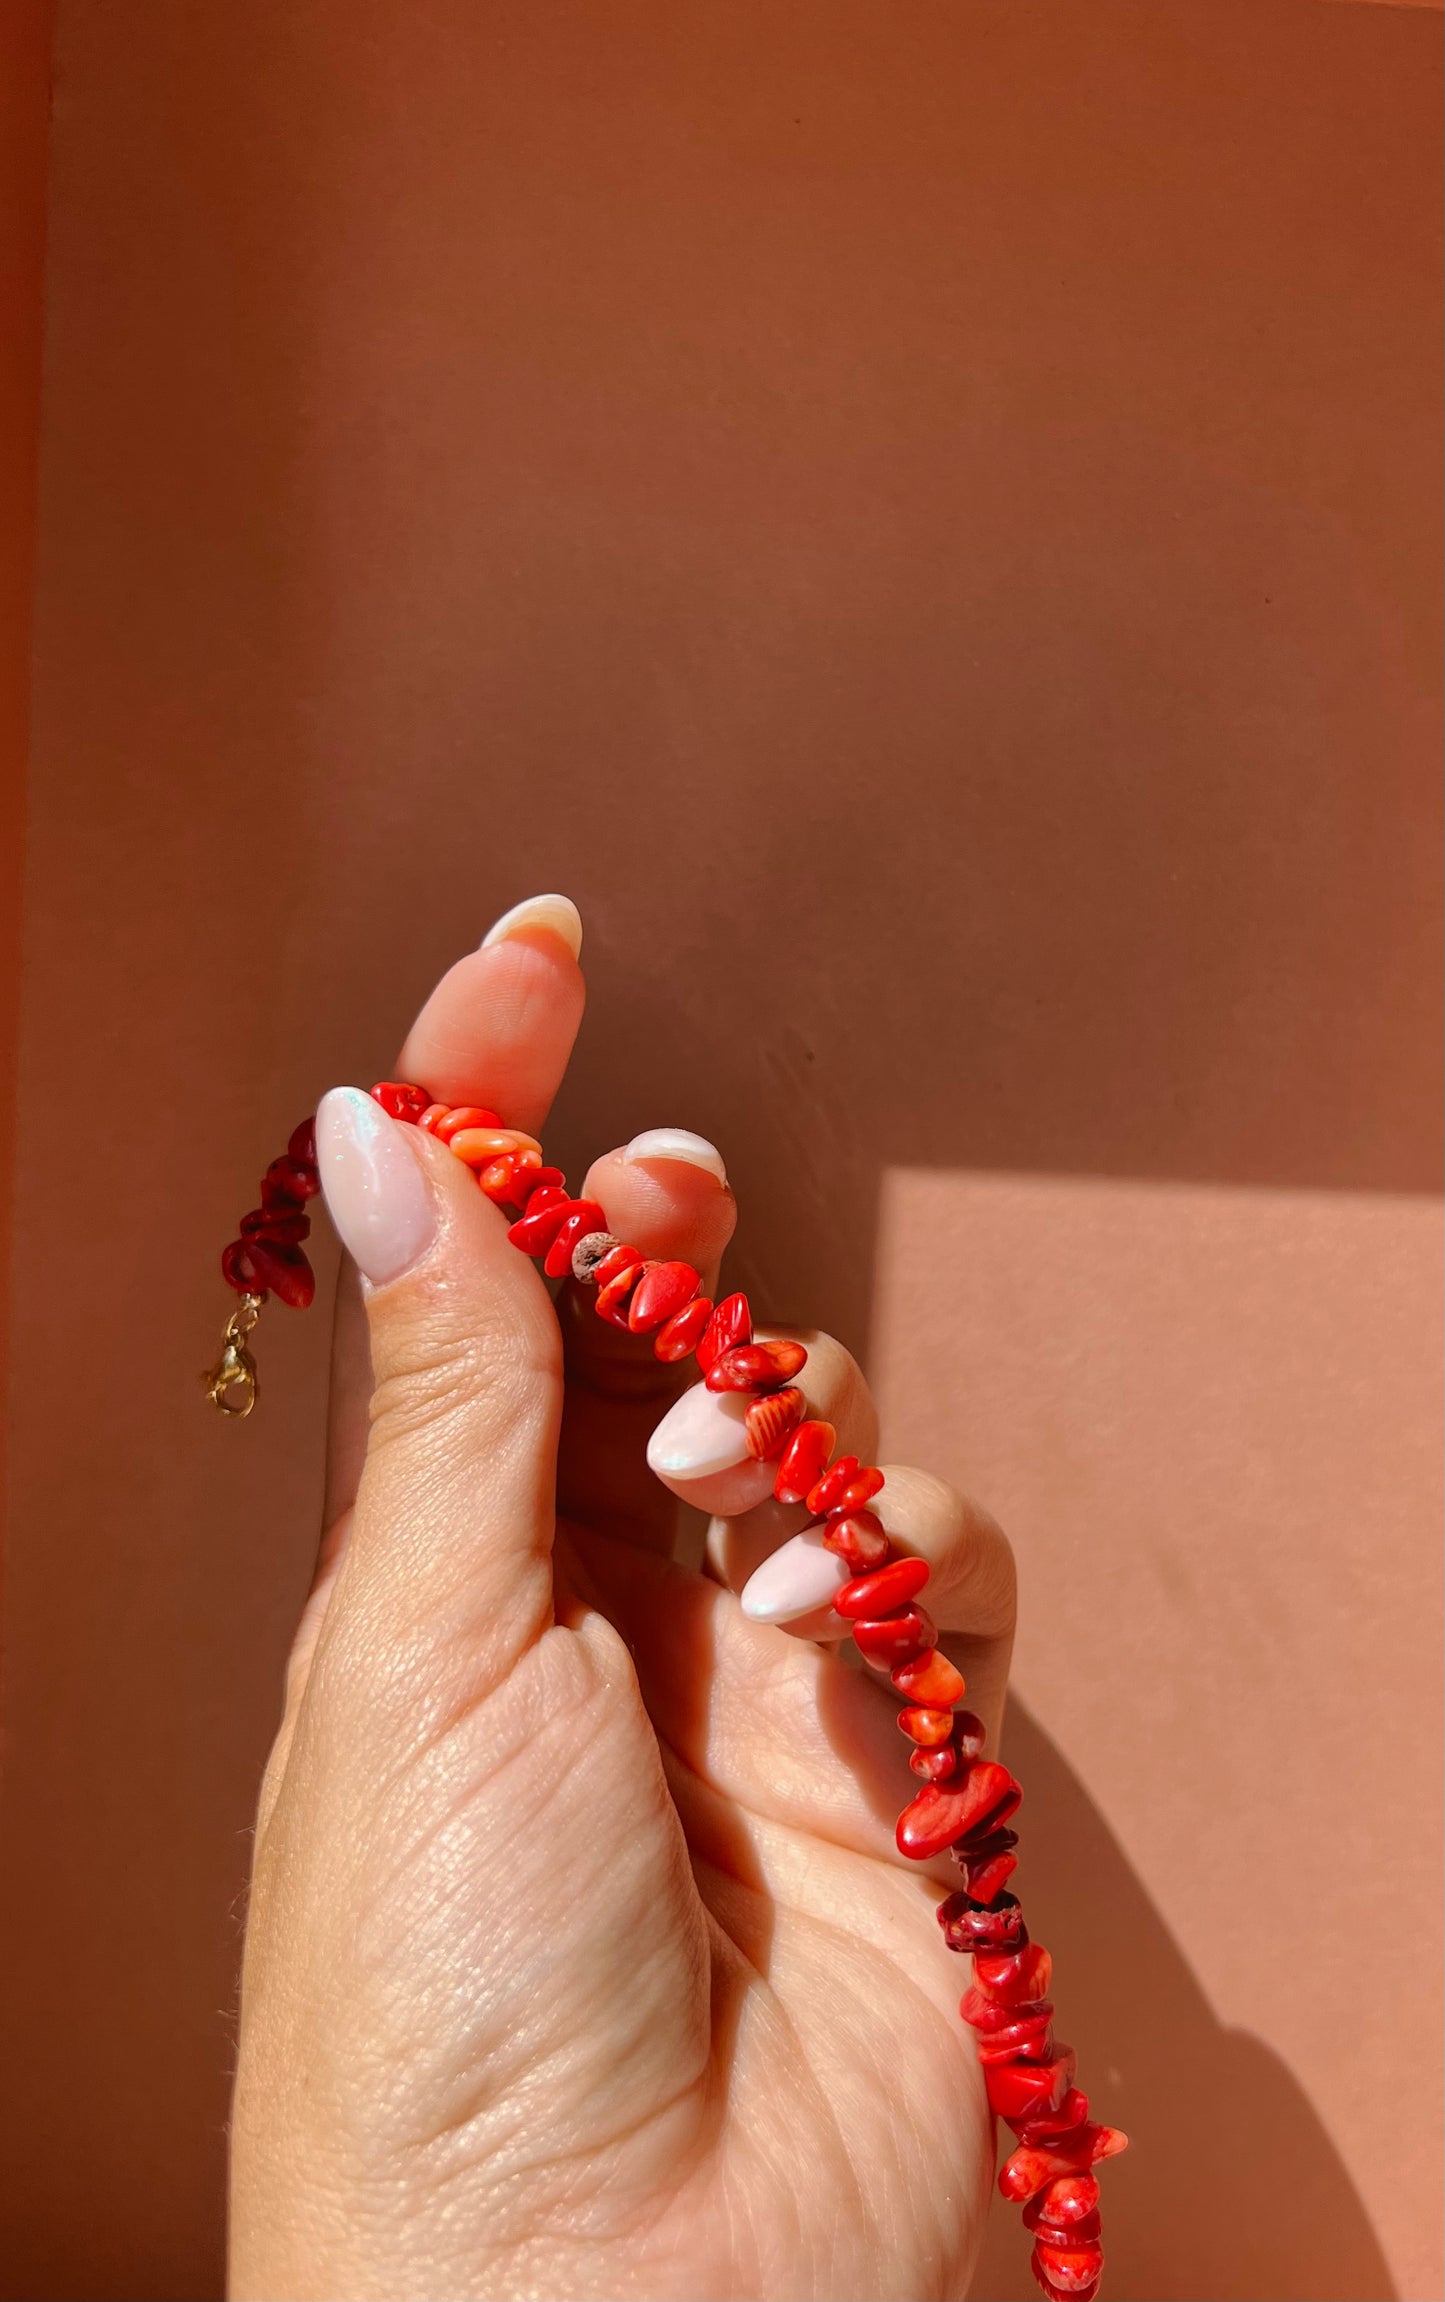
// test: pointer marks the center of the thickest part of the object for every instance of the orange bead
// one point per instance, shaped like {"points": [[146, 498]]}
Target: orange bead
{"points": [[923, 1724], [768, 1422], [477, 1146], [456, 1116], [432, 1117], [932, 1680]]}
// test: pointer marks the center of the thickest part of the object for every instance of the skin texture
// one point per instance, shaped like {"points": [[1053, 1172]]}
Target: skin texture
{"points": [[580, 1959]]}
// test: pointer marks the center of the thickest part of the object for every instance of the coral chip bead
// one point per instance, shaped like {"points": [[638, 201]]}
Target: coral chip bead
{"points": [[922, 1725], [859, 1540], [683, 1331], [803, 1459], [612, 1296], [663, 1290], [432, 1117], [930, 1679], [887, 1587], [1069, 2198], [534, 1233], [730, 1324], [892, 1639], [283, 1272], [619, 1258], [938, 1765], [582, 1218], [479, 1146], [238, 1270], [942, 1813], [454, 1118], [400, 1101], [302, 1145], [288, 1178], [756, 1366], [769, 1420], [846, 1487]]}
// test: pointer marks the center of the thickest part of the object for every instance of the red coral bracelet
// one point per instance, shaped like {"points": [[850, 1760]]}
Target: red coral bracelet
{"points": [[964, 1803]]}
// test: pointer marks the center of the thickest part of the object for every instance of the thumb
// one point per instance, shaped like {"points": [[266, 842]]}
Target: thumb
{"points": [[447, 1572]]}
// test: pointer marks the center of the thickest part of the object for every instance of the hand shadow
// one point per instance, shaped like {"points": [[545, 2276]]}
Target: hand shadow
{"points": [[1232, 2190]]}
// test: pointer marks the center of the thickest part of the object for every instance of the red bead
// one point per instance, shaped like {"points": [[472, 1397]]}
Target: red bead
{"points": [[730, 1324], [1012, 1977], [283, 1272], [302, 1146], [756, 1366], [463, 1115], [238, 1270], [534, 1233], [887, 1587], [432, 1117], [939, 1765], [662, 1291], [1071, 2199], [619, 1258], [1057, 2125], [1025, 2035], [848, 1486], [939, 1814], [803, 1458], [969, 1735], [858, 1539], [612, 1297], [284, 1230], [402, 1102], [1067, 2273], [1032, 2165], [546, 1195], [924, 1725], [289, 1176], [769, 1421], [583, 1217], [892, 1639], [981, 2012], [531, 1180], [930, 1679], [988, 1878], [684, 1331]]}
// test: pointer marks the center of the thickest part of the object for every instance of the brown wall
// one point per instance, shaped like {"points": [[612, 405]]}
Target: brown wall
{"points": [[923, 520]]}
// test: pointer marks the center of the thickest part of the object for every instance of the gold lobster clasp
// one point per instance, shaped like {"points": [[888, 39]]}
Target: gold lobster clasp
{"points": [[232, 1383]]}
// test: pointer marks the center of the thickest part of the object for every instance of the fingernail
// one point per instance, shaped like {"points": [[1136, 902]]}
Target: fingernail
{"points": [[677, 1143], [797, 1578], [375, 1191], [702, 1444], [557, 912]]}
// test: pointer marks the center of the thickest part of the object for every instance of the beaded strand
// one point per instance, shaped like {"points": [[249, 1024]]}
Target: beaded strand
{"points": [[965, 1802]]}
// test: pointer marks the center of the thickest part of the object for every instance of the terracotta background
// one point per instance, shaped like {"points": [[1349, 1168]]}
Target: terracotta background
{"points": [[923, 519]]}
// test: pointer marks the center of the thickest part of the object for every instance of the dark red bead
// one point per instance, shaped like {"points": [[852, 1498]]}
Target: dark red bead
{"points": [[756, 1366], [730, 1324], [238, 1270], [402, 1102], [662, 1291], [770, 1420], [302, 1145], [858, 1539], [1072, 2111], [683, 1332], [290, 1176], [939, 1765], [892, 1639], [803, 1458], [582, 1218], [998, 1928], [283, 1229], [283, 1272], [886, 1588], [848, 1486]]}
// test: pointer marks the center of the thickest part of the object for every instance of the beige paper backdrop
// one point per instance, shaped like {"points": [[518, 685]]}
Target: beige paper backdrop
{"points": [[923, 520]]}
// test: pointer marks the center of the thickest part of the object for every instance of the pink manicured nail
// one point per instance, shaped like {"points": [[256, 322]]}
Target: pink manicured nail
{"points": [[677, 1143], [799, 1577], [701, 1446], [375, 1191]]}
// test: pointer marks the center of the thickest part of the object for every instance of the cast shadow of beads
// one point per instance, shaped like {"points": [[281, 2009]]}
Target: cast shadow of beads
{"points": [[1232, 2190]]}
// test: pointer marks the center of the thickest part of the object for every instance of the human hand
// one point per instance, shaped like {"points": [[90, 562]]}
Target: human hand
{"points": [[581, 1960]]}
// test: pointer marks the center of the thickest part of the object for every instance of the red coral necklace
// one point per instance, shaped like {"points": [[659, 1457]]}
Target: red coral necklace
{"points": [[964, 1803]]}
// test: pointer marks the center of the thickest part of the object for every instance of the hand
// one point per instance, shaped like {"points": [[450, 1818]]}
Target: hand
{"points": [[581, 1961]]}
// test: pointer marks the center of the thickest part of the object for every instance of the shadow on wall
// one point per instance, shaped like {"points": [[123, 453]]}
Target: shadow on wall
{"points": [[1232, 2187]]}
